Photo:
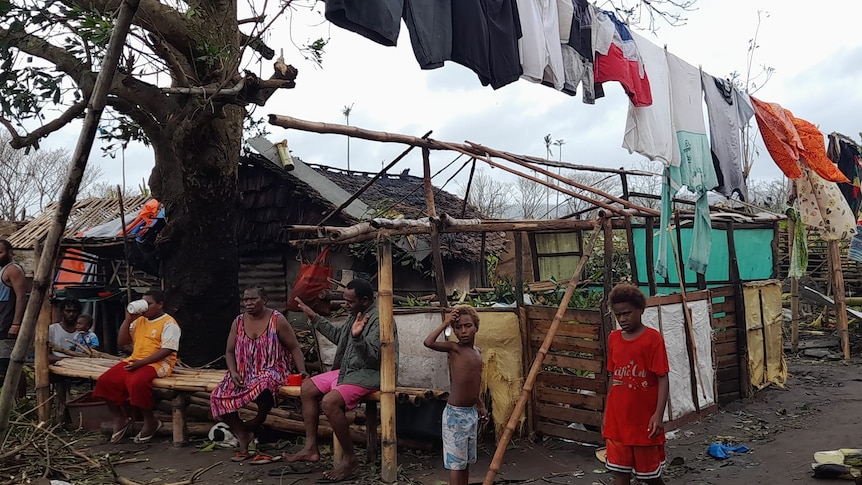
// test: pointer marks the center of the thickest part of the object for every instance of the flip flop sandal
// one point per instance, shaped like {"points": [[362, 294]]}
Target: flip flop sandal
{"points": [[117, 437], [241, 456], [146, 439], [292, 470], [264, 459], [335, 480]]}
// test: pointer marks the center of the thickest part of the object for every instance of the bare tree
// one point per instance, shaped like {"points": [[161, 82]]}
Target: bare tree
{"points": [[769, 194], [529, 200], [605, 182], [31, 180], [490, 196], [646, 184], [752, 81]]}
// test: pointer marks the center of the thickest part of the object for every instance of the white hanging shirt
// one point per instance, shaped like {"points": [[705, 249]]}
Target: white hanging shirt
{"points": [[541, 55]]}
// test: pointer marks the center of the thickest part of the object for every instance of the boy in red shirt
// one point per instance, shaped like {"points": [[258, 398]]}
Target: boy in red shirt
{"points": [[637, 360]]}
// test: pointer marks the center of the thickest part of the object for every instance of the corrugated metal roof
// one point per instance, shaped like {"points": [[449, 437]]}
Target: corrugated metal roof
{"points": [[86, 213]]}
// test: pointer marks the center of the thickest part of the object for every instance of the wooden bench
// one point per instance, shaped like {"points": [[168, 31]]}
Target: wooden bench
{"points": [[184, 382]]}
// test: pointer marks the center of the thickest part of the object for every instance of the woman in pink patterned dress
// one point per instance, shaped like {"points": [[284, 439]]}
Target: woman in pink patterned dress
{"points": [[261, 348]]}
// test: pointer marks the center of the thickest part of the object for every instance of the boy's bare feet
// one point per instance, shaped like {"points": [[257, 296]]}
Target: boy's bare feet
{"points": [[305, 454], [345, 470]]}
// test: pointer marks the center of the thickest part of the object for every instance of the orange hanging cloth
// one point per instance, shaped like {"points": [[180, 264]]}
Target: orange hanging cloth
{"points": [[780, 136], [814, 151], [791, 141]]}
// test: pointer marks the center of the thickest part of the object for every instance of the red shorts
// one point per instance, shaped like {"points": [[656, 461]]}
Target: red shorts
{"points": [[117, 385], [351, 393], [645, 461]]}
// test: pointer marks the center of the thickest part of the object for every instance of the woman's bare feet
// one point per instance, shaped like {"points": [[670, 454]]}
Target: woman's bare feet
{"points": [[244, 438], [311, 454]]}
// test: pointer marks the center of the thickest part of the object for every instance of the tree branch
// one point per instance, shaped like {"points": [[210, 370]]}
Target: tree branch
{"points": [[152, 16], [61, 58], [32, 138], [145, 95], [150, 126], [180, 70]]}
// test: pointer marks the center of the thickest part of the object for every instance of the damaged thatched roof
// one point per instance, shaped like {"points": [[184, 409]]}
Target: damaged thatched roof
{"points": [[271, 198], [86, 214], [404, 194]]}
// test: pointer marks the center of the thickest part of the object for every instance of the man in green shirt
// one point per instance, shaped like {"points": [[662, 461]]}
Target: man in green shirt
{"points": [[355, 374]]}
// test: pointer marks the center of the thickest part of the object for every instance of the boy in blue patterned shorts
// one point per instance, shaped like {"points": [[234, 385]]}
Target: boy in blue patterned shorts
{"points": [[464, 409]]}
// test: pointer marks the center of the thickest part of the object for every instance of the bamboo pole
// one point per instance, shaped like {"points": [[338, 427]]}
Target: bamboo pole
{"points": [[485, 158], [565, 180], [538, 362], [691, 347], [42, 278], [482, 226], [389, 468], [370, 182], [290, 122], [840, 297]]}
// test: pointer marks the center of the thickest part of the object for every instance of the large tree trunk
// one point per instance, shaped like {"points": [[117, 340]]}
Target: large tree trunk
{"points": [[195, 178]]}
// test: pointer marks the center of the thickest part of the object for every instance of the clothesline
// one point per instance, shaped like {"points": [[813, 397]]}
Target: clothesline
{"points": [[564, 44]]}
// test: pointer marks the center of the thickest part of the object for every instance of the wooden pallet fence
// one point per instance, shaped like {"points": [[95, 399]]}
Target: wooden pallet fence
{"points": [[725, 347], [569, 395]]}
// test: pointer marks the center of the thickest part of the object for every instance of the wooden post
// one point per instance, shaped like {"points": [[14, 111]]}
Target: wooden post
{"points": [[630, 242], [794, 292], [840, 297], [538, 362], [389, 466], [739, 311], [649, 227], [125, 246], [467, 191], [519, 268], [43, 375], [180, 428], [42, 278], [436, 254]]}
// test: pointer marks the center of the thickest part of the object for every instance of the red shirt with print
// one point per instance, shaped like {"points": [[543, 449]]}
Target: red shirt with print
{"points": [[635, 366]]}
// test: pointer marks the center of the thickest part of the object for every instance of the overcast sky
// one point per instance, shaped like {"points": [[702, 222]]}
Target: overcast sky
{"points": [[815, 49]]}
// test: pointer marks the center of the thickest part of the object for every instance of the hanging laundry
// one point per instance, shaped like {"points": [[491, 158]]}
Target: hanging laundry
{"points": [[788, 138], [729, 111], [799, 247], [577, 69], [695, 170], [822, 206], [814, 150], [581, 32], [649, 129], [377, 20], [779, 136], [541, 53], [845, 153], [430, 27], [621, 62], [855, 252], [485, 35]]}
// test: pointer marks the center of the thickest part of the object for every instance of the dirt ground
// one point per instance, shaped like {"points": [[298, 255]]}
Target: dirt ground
{"points": [[817, 410]]}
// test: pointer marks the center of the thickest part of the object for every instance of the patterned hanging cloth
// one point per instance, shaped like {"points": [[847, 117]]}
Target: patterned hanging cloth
{"points": [[799, 247]]}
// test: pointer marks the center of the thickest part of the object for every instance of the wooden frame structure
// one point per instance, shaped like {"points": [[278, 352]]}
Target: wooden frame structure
{"points": [[616, 213]]}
